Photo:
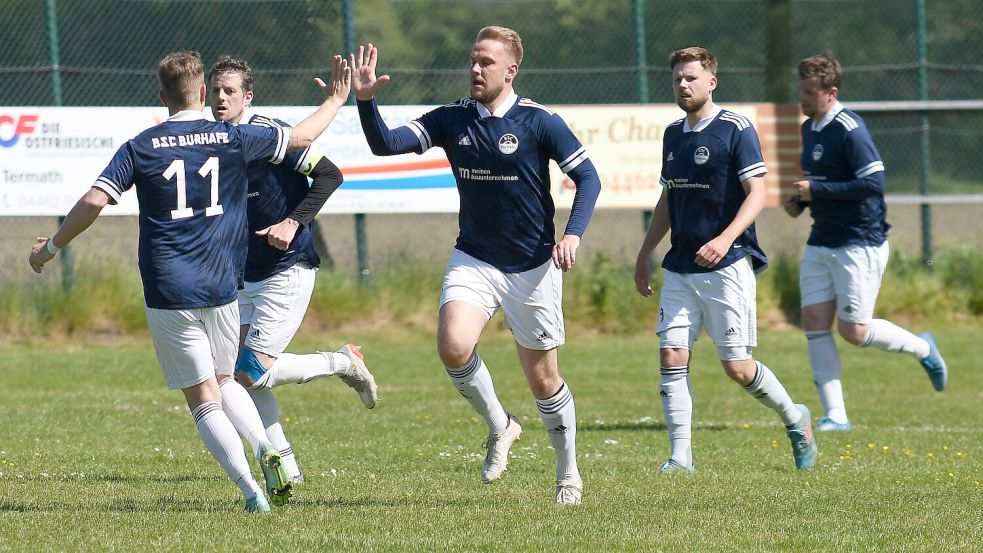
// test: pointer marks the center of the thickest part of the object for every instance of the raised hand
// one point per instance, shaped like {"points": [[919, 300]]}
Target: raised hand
{"points": [[341, 81], [364, 81]]}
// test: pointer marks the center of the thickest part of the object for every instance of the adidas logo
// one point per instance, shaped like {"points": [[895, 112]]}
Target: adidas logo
{"points": [[848, 309], [254, 333], [669, 157], [730, 332], [464, 141], [662, 393], [558, 430]]}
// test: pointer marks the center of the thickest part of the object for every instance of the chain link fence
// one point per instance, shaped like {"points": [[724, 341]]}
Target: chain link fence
{"points": [[104, 53]]}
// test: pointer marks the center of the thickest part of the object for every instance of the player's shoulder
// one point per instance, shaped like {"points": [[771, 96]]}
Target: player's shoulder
{"points": [[461, 105], [738, 121], [848, 120], [265, 121], [532, 107]]}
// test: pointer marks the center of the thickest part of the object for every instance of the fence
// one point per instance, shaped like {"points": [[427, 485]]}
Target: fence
{"points": [[104, 52]]}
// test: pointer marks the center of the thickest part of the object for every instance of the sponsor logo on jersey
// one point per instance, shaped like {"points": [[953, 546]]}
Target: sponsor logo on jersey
{"points": [[464, 141], [508, 144], [702, 155], [817, 152]]}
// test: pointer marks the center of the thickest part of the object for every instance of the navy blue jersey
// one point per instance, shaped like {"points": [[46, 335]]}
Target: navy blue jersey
{"points": [[702, 170], [501, 163], [275, 189], [190, 178], [846, 180]]}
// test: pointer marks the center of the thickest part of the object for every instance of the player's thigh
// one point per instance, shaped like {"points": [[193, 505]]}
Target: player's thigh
{"points": [[816, 277], [533, 306], [182, 346], [279, 306], [729, 301], [222, 327], [858, 281], [680, 312], [472, 281]]}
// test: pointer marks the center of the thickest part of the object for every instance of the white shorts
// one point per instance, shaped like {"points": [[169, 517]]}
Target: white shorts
{"points": [[275, 307], [851, 275], [722, 301], [194, 344], [532, 300]]}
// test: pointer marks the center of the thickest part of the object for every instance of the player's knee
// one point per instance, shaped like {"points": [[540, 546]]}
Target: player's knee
{"points": [[453, 353], [249, 369], [854, 333]]}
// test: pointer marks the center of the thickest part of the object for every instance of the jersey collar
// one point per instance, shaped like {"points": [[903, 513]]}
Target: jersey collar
{"points": [[187, 115], [501, 110], [833, 112], [702, 123]]}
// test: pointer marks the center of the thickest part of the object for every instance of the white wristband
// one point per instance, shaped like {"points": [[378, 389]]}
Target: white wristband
{"points": [[52, 248]]}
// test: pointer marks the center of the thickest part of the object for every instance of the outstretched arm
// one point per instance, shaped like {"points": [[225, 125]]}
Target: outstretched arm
{"points": [[382, 140], [335, 96], [78, 219]]}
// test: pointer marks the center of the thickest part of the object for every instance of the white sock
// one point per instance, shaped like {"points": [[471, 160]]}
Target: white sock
{"points": [[766, 388], [474, 382], [888, 336], [290, 368], [826, 369], [269, 411], [560, 419], [223, 443], [241, 410], [677, 410]]}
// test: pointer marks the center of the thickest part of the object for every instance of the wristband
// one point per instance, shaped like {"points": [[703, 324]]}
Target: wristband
{"points": [[52, 248]]}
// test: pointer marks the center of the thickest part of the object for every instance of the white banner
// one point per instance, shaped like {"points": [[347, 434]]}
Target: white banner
{"points": [[51, 156]]}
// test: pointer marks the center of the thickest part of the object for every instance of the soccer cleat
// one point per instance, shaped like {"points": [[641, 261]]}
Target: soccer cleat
{"points": [[674, 466], [569, 492], [297, 479], [360, 379], [827, 424], [498, 445], [257, 504], [804, 448], [277, 480], [933, 363]]}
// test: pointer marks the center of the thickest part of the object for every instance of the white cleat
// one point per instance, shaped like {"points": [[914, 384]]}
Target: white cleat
{"points": [[360, 379], [498, 446], [569, 492]]}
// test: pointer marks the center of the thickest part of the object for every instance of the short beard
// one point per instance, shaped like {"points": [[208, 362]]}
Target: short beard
{"points": [[691, 108], [488, 94]]}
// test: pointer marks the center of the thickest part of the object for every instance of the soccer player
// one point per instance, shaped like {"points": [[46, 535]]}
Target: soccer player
{"points": [[847, 251], [713, 189], [280, 265], [190, 180], [506, 257]]}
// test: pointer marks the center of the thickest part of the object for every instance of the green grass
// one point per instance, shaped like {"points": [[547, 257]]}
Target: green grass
{"points": [[97, 455]]}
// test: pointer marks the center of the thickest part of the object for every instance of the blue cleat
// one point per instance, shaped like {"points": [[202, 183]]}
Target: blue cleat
{"points": [[804, 448], [933, 363], [827, 424], [277, 480], [257, 504], [672, 465]]}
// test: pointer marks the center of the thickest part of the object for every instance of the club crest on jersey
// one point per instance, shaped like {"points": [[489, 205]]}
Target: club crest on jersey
{"points": [[817, 152], [508, 144], [702, 155]]}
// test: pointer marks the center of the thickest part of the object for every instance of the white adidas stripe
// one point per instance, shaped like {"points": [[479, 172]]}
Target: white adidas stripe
{"points": [[420, 133], [848, 122], [870, 169]]}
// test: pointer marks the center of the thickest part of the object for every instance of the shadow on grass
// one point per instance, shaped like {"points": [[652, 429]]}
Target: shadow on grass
{"points": [[643, 426]]}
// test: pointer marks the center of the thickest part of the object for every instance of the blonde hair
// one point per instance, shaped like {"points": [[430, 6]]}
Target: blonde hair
{"points": [[181, 75], [509, 38], [694, 53]]}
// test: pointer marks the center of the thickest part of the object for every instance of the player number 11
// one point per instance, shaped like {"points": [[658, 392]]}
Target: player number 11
{"points": [[176, 169]]}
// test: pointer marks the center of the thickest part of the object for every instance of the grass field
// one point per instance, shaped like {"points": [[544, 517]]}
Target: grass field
{"points": [[97, 455]]}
